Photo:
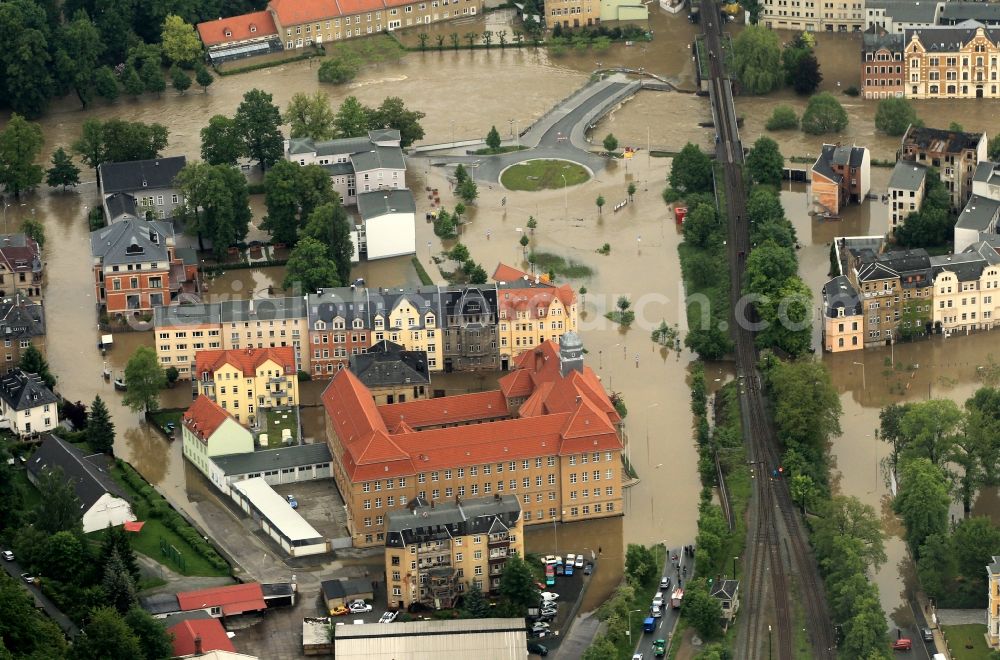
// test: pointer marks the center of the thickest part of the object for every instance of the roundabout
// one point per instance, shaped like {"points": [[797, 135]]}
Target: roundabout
{"points": [[543, 174]]}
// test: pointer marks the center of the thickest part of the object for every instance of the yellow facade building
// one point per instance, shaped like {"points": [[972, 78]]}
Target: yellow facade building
{"points": [[245, 381]]}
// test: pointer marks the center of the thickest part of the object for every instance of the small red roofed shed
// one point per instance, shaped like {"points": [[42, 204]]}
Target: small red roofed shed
{"points": [[224, 601]]}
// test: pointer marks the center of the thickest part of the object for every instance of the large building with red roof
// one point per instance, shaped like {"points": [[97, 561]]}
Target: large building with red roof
{"points": [[197, 636], [209, 431], [243, 381], [548, 436]]}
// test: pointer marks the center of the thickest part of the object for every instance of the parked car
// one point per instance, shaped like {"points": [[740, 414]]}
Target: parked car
{"points": [[637, 656], [339, 610], [292, 502], [658, 599], [359, 606], [902, 644], [548, 611], [656, 611], [927, 634], [570, 559], [549, 596], [539, 626], [560, 569], [388, 617], [27, 577], [569, 569], [665, 583], [8, 555], [589, 568], [537, 649], [579, 561], [549, 559]]}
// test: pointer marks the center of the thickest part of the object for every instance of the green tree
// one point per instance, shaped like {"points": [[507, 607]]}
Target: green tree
{"points": [[865, 633], [768, 267], [329, 224], [20, 143], [459, 211], [116, 540], [975, 541], [352, 118], [764, 163], [33, 362], [806, 75], [788, 315], [460, 173], [894, 115], [310, 267], [782, 119], [610, 142], [630, 190], [937, 565], [701, 226], [108, 637], [928, 429], [62, 557], [691, 171], [339, 69], [154, 640], [257, 120], [59, 508], [100, 428], [118, 584], [63, 172], [493, 140], [216, 204], [994, 148], [804, 491], [824, 114], [392, 113], [26, 84], [459, 253], [310, 116], [890, 431], [106, 84], [982, 426], [600, 203], [125, 140], [640, 564], [848, 517], [180, 42], [756, 60], [152, 76], [467, 191], [82, 47], [203, 77], [517, 585], [144, 378], [292, 192], [922, 501], [179, 79], [702, 610], [220, 141], [602, 648], [474, 603], [24, 631], [478, 275], [132, 82]]}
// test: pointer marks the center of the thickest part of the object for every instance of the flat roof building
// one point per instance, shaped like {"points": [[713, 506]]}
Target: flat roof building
{"points": [[460, 639], [277, 518]]}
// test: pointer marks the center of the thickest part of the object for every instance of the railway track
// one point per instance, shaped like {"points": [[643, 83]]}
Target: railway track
{"points": [[776, 520]]}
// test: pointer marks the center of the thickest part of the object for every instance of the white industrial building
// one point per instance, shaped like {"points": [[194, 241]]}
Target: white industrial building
{"points": [[388, 224], [282, 465], [277, 518], [460, 639]]}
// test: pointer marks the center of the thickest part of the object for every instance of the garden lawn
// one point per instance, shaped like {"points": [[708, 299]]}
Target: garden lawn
{"points": [[279, 419], [543, 174], [970, 634], [162, 417], [546, 261]]}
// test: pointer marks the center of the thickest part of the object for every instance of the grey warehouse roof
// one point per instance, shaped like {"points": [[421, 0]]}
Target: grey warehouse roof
{"points": [[375, 157], [137, 175], [946, 39], [979, 213], [382, 202], [907, 11], [907, 176], [957, 12], [274, 459]]}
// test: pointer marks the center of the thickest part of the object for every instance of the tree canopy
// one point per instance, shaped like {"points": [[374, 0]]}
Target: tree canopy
{"points": [[922, 501], [63, 172], [310, 267], [20, 143], [144, 378], [310, 116], [33, 362], [824, 114], [216, 204], [691, 171], [291, 193], [517, 585], [257, 122], [181, 44], [756, 60], [765, 163], [894, 115], [220, 141]]}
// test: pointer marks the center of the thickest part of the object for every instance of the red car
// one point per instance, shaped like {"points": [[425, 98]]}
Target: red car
{"points": [[904, 644]]}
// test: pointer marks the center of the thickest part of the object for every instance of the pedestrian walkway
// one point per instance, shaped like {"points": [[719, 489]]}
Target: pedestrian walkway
{"points": [[961, 617], [68, 627], [581, 635]]}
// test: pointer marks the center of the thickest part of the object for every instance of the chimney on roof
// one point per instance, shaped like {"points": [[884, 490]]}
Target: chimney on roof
{"points": [[197, 645]]}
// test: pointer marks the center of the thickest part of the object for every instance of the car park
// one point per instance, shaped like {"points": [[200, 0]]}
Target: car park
{"points": [[665, 583], [27, 577], [8, 555], [902, 644], [589, 568], [388, 617], [339, 610], [359, 607], [538, 649], [579, 561]]}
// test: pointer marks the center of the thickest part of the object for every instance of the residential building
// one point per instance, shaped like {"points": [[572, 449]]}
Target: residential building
{"points": [[434, 551], [303, 23], [338, 593], [843, 318], [240, 36], [21, 267], [882, 74], [531, 311], [393, 374], [993, 608], [266, 323], [102, 500], [905, 192], [149, 184], [209, 431], [896, 290], [573, 13], [841, 175], [356, 165], [966, 298], [197, 636], [953, 62], [137, 267], [183, 330], [897, 16], [22, 324], [339, 326], [960, 11], [244, 381], [548, 435], [453, 639], [388, 224], [955, 154], [978, 220], [727, 592], [811, 16], [26, 404]]}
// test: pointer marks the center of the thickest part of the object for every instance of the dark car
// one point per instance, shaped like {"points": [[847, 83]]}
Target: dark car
{"points": [[537, 649], [589, 568], [560, 570], [927, 634]]}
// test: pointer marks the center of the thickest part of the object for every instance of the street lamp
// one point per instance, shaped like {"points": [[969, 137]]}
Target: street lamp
{"points": [[565, 197], [734, 567], [862, 365], [628, 632], [768, 641]]}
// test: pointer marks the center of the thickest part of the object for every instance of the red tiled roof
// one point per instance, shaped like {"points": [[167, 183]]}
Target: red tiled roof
{"points": [[213, 636], [446, 410], [233, 599], [349, 7], [204, 417], [255, 25], [505, 273], [245, 359], [296, 12]]}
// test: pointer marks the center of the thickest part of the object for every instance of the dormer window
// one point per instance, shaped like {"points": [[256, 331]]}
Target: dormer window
{"points": [[253, 28], [228, 34]]}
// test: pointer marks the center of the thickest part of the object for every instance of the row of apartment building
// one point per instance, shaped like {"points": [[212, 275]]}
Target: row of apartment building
{"points": [[938, 62], [893, 16], [458, 327]]}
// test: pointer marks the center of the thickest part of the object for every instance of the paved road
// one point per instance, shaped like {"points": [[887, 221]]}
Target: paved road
{"points": [[14, 569], [921, 649], [665, 624], [560, 134]]}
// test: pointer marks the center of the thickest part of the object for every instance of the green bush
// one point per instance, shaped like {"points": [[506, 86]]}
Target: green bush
{"points": [[783, 118]]}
